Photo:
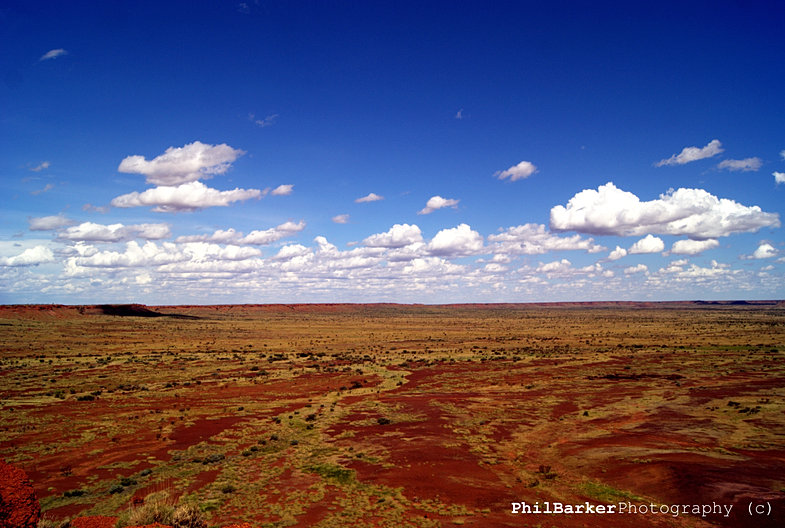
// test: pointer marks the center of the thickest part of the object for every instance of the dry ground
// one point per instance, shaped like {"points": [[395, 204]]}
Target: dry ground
{"points": [[399, 416]]}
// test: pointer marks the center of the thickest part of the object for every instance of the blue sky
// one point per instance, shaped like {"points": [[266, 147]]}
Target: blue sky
{"points": [[230, 152]]}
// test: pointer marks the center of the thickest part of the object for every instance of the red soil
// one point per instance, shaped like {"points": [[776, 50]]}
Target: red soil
{"points": [[94, 522], [18, 504], [461, 432]]}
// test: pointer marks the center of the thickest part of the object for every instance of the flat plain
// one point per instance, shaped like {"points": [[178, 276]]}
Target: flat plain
{"points": [[399, 415]]}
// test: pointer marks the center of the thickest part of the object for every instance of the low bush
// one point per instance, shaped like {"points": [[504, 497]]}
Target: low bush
{"points": [[163, 512]]}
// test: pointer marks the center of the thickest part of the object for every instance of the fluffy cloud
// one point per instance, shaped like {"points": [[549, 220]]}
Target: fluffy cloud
{"points": [[689, 154], [640, 268], [90, 232], [151, 254], [397, 236], [534, 239], [41, 166], [765, 250], [557, 266], [53, 54], [48, 223], [617, 253], [563, 269], [268, 236], [29, 257], [186, 197], [520, 171], [370, 197], [282, 190], [341, 219], [693, 247], [185, 164], [256, 237], [779, 177], [648, 244], [696, 273], [744, 165], [437, 202], [432, 266], [457, 241], [691, 212], [291, 251]]}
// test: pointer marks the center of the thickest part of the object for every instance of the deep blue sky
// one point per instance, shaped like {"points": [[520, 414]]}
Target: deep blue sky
{"points": [[407, 100]]}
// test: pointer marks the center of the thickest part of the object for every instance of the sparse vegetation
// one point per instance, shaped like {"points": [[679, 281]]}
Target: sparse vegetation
{"points": [[161, 510], [384, 414]]}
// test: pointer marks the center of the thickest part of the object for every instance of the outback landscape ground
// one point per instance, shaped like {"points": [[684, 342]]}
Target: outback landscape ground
{"points": [[399, 415]]}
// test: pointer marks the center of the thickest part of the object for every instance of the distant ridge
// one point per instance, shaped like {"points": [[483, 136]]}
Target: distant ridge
{"points": [[58, 311], [136, 310]]}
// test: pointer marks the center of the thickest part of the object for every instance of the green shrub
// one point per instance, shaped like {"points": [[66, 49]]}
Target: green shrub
{"points": [[328, 471], [216, 457], [74, 493]]}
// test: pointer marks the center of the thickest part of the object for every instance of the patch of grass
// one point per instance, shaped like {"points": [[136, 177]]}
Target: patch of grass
{"points": [[332, 472], [161, 510], [604, 493]]}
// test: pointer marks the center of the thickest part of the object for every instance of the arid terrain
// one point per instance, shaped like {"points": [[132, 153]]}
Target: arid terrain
{"points": [[399, 415]]}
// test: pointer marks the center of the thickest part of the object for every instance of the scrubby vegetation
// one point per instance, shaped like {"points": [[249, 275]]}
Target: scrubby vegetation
{"points": [[391, 415], [161, 510]]}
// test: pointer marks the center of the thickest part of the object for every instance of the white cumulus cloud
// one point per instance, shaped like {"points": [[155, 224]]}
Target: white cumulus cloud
{"points": [[188, 163], [648, 244], [517, 172], [282, 190], [640, 268], [41, 166], [437, 202], [457, 241], [744, 165], [689, 154], [399, 235], [779, 177], [153, 255], [186, 197], [91, 232], [691, 212], [256, 237], [693, 247], [765, 250], [534, 239], [617, 253], [29, 257], [268, 236]]}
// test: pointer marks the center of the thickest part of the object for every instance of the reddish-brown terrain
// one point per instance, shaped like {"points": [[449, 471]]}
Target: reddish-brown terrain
{"points": [[390, 415]]}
